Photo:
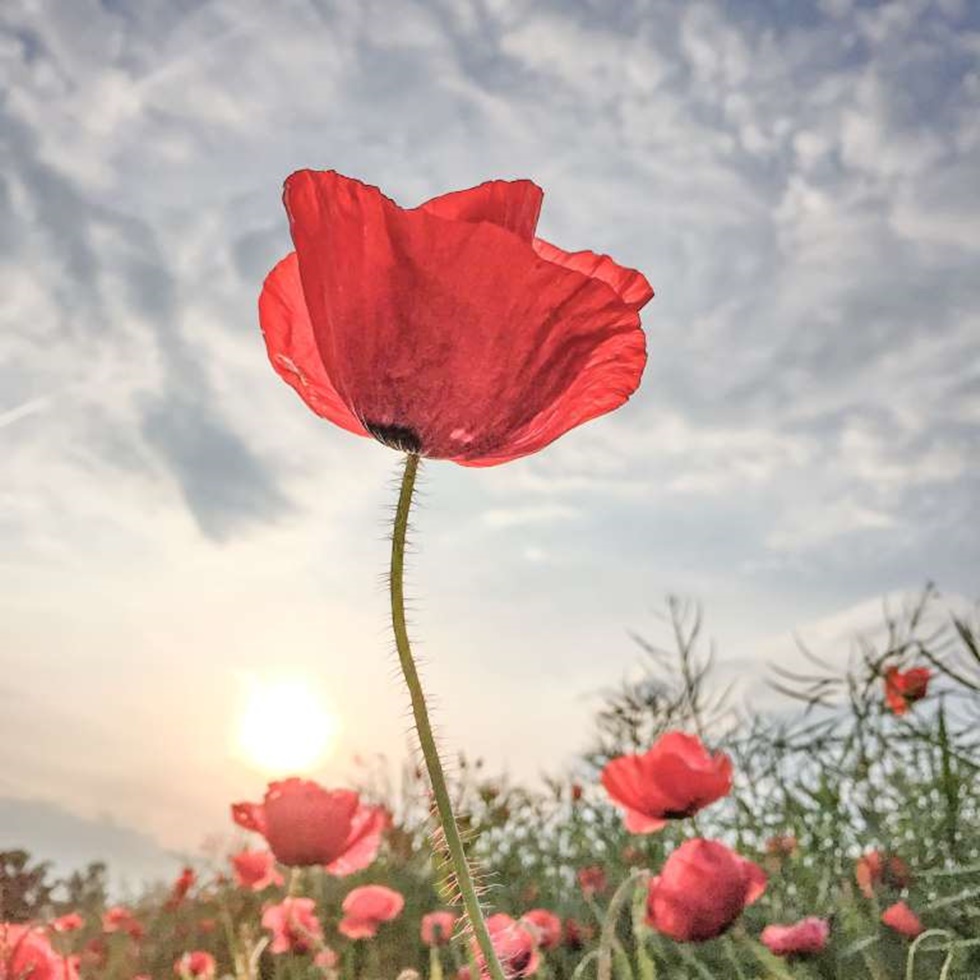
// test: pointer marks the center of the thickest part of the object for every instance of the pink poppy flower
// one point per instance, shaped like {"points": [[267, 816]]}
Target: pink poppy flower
{"points": [[294, 925], [306, 824], [545, 925], [366, 908], [592, 880], [70, 922], [120, 919], [437, 928], [902, 919], [196, 964], [674, 779], [515, 945], [805, 938], [701, 890], [255, 870]]}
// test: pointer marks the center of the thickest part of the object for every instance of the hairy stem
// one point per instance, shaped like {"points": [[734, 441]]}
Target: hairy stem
{"points": [[454, 843]]}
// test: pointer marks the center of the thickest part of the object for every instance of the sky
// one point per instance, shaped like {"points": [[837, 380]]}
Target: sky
{"points": [[800, 184]]}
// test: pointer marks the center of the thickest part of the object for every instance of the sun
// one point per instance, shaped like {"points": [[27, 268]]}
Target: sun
{"points": [[285, 727]]}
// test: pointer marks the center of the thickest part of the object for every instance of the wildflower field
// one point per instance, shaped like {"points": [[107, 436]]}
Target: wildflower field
{"points": [[836, 837]]}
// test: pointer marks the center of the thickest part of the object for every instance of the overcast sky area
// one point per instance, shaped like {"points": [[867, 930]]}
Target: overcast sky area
{"points": [[798, 181]]}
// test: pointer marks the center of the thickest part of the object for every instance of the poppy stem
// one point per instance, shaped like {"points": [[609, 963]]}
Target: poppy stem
{"points": [[607, 937], [454, 843]]}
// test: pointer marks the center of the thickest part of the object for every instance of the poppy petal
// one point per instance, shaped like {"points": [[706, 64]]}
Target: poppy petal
{"points": [[367, 827], [292, 347], [638, 823], [630, 285], [250, 816], [755, 881], [511, 204], [453, 338]]}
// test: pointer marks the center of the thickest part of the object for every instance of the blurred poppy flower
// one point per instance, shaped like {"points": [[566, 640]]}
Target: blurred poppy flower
{"points": [[545, 925], [437, 928], [447, 330], [326, 959], [902, 919], [306, 824], [874, 869], [366, 908], [294, 925], [904, 688], [120, 919], [70, 922], [804, 938], [701, 890], [255, 870], [183, 884], [196, 964], [674, 779], [576, 935], [514, 945], [25, 952], [592, 880], [782, 845]]}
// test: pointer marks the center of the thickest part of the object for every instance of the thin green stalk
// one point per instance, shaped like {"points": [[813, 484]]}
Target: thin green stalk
{"points": [[450, 830], [607, 937]]}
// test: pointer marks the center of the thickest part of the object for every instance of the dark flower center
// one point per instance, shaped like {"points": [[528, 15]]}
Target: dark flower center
{"points": [[399, 437]]}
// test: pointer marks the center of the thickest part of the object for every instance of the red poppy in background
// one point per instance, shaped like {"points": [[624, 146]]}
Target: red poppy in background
{"points": [[183, 884], [368, 907], [437, 928], [70, 922], [545, 925], [902, 919], [26, 953], [576, 935], [674, 779], [306, 824], [294, 925], [514, 944], [120, 919], [196, 964], [804, 938], [592, 880], [874, 869], [701, 890], [255, 870], [904, 687], [447, 330]]}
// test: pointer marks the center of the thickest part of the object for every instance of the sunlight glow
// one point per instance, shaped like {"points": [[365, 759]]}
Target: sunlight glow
{"points": [[285, 727]]}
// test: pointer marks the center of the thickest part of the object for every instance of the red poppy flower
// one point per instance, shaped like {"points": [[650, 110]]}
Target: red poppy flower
{"points": [[447, 330], [183, 884], [592, 880], [576, 935], [674, 779], [306, 824], [294, 925], [196, 964], [437, 928], [255, 870], [805, 938], [702, 890], [545, 925], [26, 952], [514, 945], [70, 922], [904, 688], [874, 869], [120, 919], [366, 908], [902, 919]]}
